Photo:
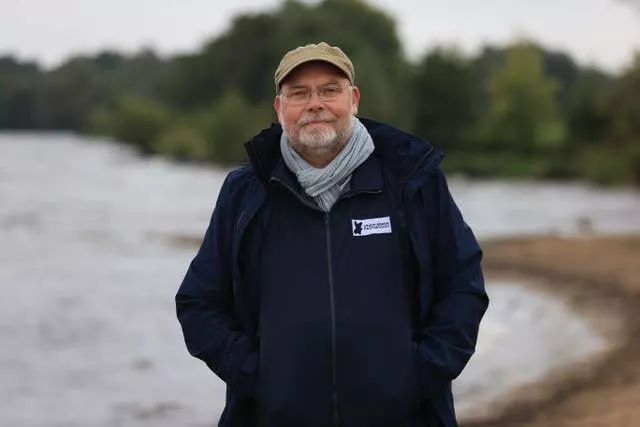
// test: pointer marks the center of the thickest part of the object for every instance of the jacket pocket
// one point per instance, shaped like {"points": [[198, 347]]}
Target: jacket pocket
{"points": [[241, 366]]}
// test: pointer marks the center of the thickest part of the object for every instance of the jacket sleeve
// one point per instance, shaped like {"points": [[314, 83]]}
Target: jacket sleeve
{"points": [[204, 304], [459, 300]]}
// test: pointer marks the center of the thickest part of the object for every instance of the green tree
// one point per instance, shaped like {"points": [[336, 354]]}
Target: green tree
{"points": [[136, 121], [444, 92], [68, 96], [70, 93], [228, 125], [626, 122], [19, 94], [241, 59], [523, 114], [564, 71], [627, 104], [590, 108], [183, 143]]}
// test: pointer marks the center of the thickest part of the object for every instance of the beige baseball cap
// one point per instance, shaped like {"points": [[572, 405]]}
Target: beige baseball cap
{"points": [[314, 52]]}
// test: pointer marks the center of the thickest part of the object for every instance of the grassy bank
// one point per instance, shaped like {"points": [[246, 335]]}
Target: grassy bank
{"points": [[602, 167]]}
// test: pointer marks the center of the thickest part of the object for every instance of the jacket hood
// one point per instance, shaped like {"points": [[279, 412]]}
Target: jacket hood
{"points": [[405, 152]]}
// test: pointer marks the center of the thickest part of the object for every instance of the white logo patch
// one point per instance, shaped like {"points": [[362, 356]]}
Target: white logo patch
{"points": [[365, 227]]}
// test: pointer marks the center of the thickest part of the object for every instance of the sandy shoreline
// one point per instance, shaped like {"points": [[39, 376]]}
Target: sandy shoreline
{"points": [[600, 278]]}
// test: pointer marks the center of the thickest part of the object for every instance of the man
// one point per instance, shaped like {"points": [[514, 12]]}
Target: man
{"points": [[337, 283]]}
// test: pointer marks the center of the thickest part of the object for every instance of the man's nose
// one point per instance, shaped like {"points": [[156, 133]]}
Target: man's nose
{"points": [[314, 101]]}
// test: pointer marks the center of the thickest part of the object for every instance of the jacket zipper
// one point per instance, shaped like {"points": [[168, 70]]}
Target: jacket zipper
{"points": [[334, 381], [332, 303]]}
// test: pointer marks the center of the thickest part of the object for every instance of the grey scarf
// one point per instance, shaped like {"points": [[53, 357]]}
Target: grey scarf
{"points": [[326, 184]]}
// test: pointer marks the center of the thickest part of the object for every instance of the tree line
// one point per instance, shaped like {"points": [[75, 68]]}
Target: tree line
{"points": [[518, 110]]}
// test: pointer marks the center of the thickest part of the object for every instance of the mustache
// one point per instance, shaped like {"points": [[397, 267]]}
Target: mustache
{"points": [[321, 117]]}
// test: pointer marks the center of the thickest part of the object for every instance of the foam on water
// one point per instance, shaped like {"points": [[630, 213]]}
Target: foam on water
{"points": [[524, 334]]}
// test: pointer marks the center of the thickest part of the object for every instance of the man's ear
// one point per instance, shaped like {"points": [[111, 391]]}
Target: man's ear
{"points": [[355, 99], [277, 104]]}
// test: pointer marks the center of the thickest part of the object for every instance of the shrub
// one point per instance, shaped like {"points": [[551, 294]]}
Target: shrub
{"points": [[182, 143], [138, 122]]}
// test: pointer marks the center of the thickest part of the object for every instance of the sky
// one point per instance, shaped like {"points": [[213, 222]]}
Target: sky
{"points": [[604, 33]]}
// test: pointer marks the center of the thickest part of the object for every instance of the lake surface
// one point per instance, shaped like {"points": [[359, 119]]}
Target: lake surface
{"points": [[88, 274]]}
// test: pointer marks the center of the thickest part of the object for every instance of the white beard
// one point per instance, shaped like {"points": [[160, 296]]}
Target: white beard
{"points": [[322, 137]]}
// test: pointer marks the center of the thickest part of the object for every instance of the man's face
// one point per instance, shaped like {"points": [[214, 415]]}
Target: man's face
{"points": [[316, 124]]}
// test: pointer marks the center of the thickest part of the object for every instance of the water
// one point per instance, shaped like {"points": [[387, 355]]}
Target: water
{"points": [[88, 275], [524, 334], [499, 209]]}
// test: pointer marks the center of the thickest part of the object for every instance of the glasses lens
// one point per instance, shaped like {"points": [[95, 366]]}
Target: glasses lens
{"points": [[325, 93]]}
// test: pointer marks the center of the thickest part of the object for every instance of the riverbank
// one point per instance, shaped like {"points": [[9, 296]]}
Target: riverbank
{"points": [[600, 278]]}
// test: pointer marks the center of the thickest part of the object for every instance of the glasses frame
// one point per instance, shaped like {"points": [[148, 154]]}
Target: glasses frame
{"points": [[308, 92]]}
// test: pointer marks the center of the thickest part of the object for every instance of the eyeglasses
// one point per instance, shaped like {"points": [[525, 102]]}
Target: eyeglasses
{"points": [[302, 95]]}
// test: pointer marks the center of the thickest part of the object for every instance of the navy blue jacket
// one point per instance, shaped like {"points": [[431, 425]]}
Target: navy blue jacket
{"points": [[309, 322]]}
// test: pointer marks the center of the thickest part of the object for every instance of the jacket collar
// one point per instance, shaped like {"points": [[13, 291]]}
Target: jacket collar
{"points": [[366, 178]]}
